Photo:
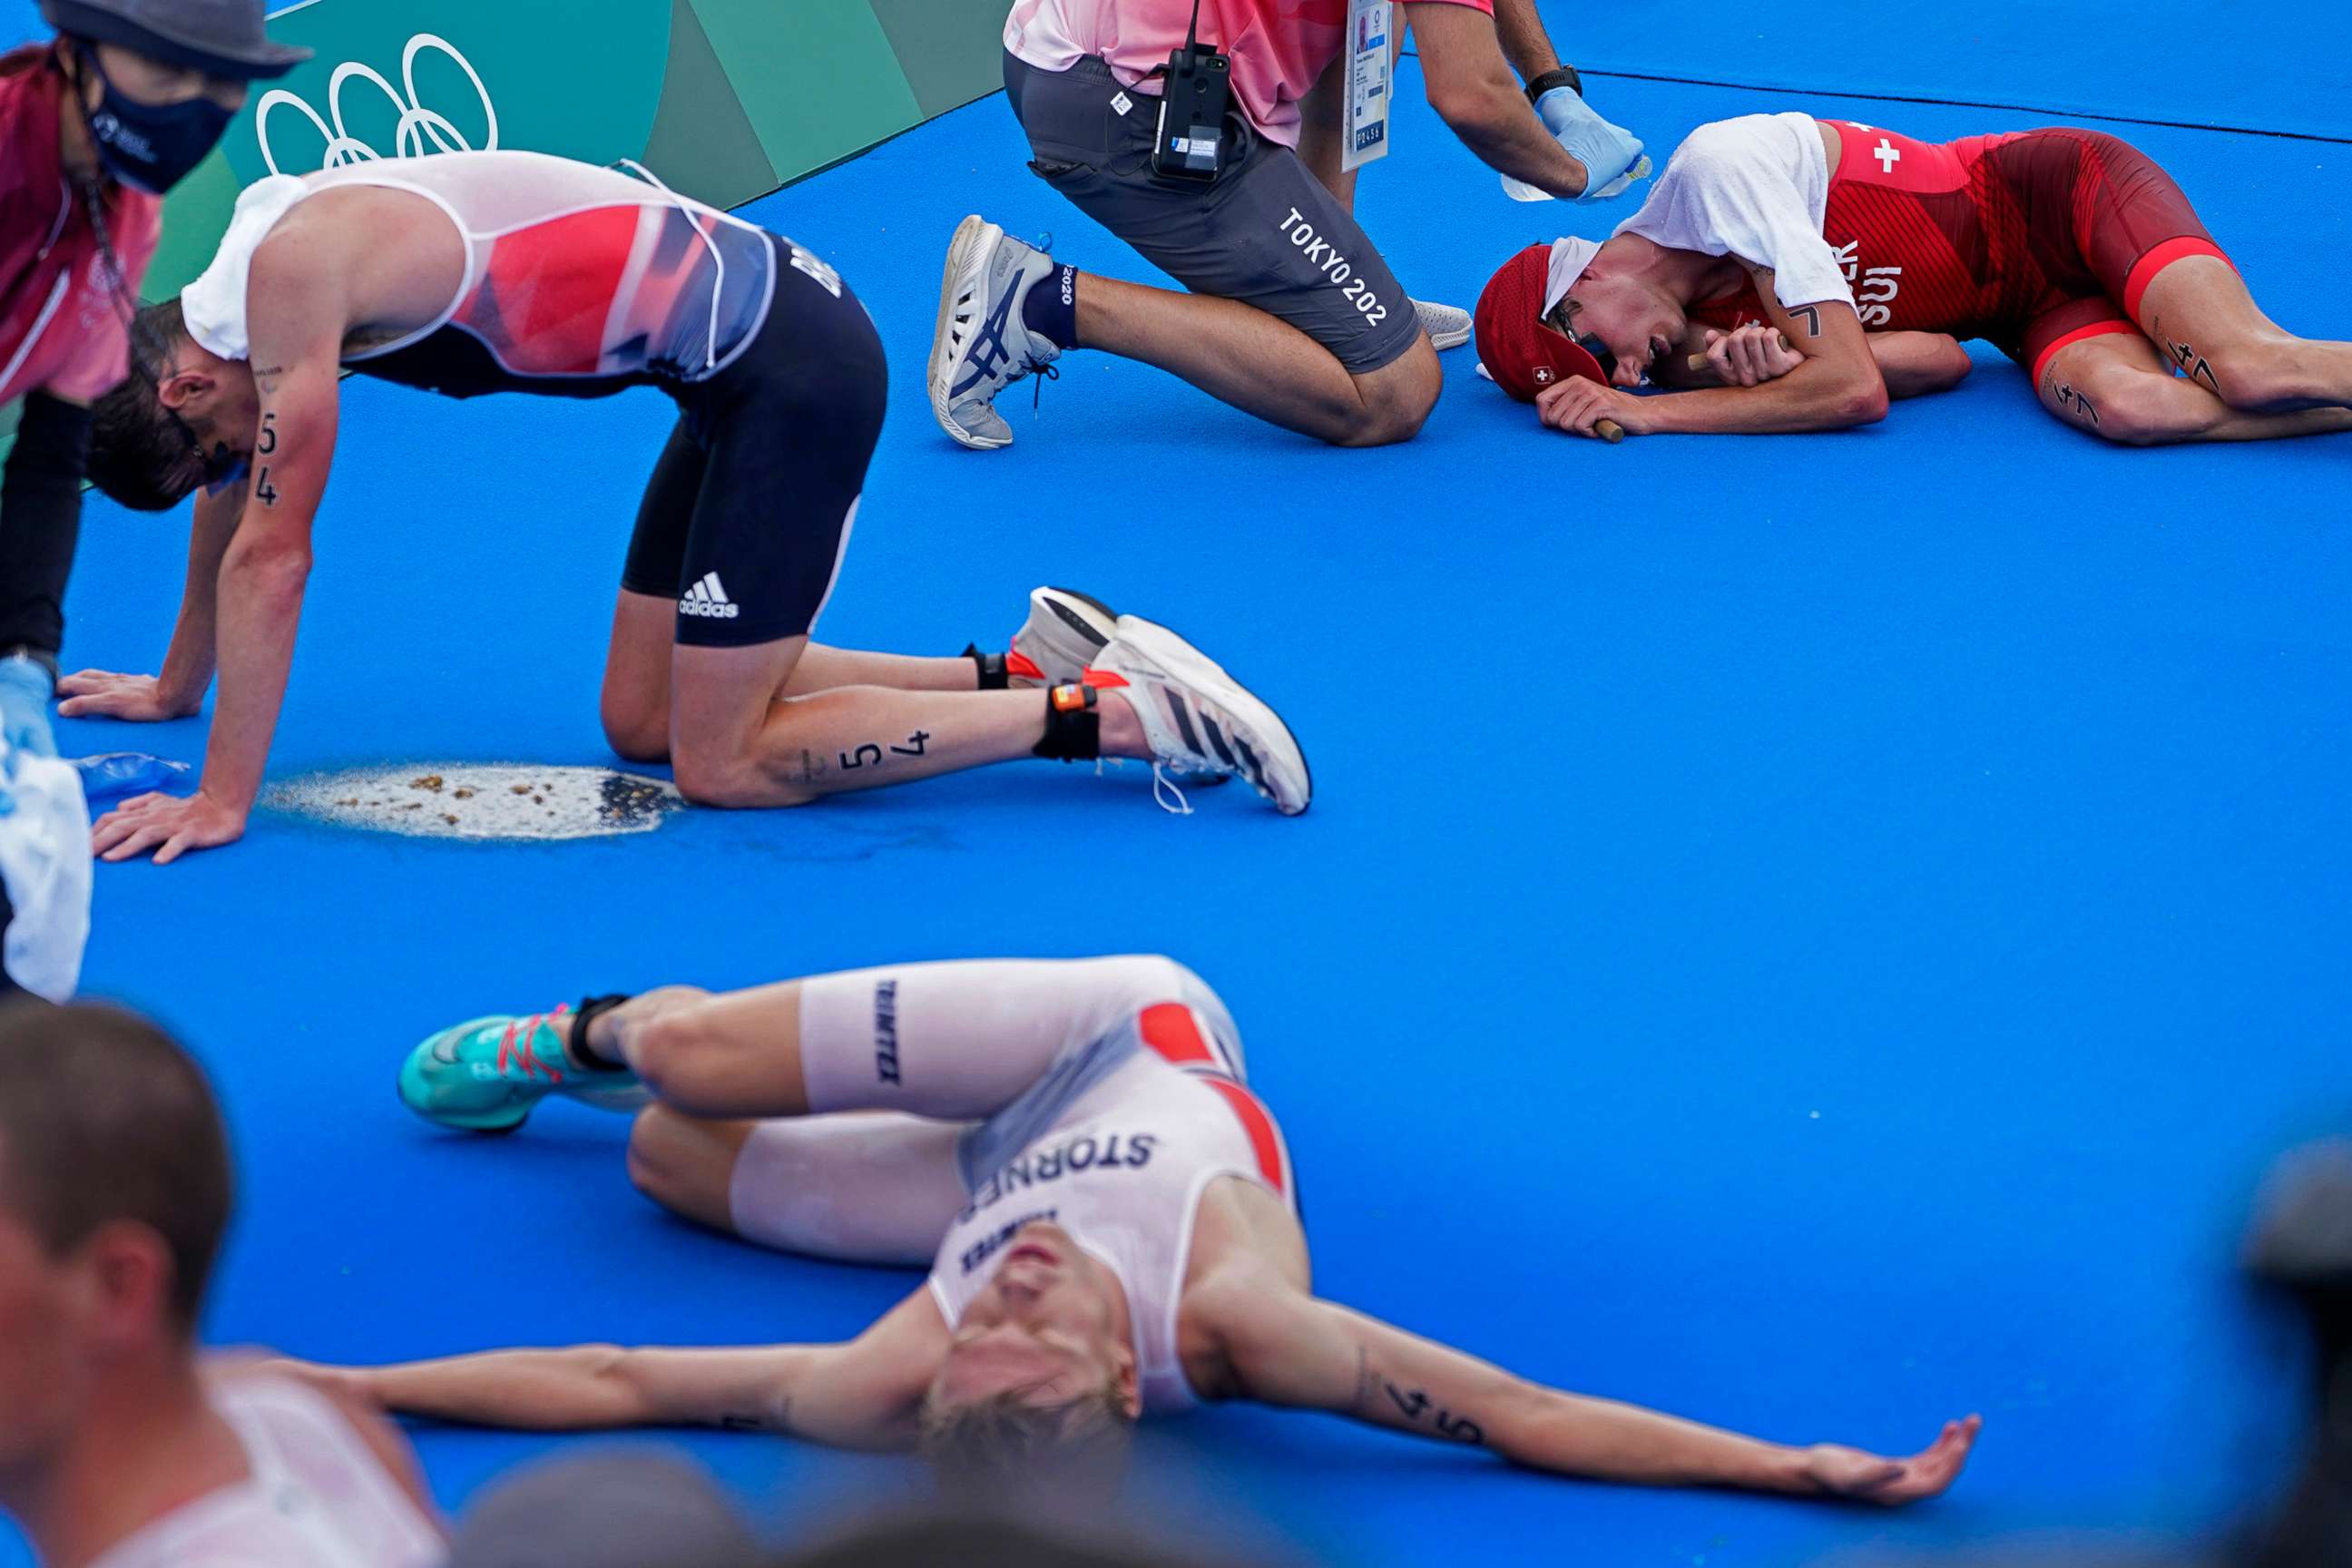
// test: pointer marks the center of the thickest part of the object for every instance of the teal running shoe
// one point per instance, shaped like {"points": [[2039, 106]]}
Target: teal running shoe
{"points": [[486, 1075]]}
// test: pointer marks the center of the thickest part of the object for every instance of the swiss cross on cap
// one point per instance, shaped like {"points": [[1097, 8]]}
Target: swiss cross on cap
{"points": [[1522, 353]]}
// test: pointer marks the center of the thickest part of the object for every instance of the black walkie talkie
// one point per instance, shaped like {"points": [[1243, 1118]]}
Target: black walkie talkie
{"points": [[1191, 144]]}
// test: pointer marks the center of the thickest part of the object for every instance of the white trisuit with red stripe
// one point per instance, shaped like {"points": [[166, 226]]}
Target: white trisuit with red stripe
{"points": [[1104, 1095], [314, 1496]]}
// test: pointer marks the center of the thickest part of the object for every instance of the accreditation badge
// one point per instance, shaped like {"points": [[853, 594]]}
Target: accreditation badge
{"points": [[1366, 134]]}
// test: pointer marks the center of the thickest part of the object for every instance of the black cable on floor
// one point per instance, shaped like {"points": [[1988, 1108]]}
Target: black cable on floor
{"points": [[2061, 115]]}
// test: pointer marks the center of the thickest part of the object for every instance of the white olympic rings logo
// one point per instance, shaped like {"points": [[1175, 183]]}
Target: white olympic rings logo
{"points": [[417, 125]]}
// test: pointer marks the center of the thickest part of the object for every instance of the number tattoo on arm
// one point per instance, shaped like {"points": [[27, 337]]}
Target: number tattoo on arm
{"points": [[1813, 314], [1417, 1410], [779, 1420], [265, 442]]}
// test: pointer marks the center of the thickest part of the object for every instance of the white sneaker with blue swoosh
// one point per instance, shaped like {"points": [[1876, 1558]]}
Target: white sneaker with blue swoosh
{"points": [[980, 346]]}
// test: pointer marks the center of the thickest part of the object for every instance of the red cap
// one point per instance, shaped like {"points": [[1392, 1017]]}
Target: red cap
{"points": [[1519, 352]]}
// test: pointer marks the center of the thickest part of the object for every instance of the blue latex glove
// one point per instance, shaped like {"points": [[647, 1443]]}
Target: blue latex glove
{"points": [[119, 776], [25, 691], [1611, 156]]}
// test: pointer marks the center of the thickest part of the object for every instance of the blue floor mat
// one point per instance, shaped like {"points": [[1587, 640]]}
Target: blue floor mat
{"points": [[1818, 933], [2283, 69]]}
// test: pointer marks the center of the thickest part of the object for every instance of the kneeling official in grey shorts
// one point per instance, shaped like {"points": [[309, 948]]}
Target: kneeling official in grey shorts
{"points": [[1292, 315]]}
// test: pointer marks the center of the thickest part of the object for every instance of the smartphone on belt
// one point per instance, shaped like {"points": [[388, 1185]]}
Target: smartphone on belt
{"points": [[1192, 142]]}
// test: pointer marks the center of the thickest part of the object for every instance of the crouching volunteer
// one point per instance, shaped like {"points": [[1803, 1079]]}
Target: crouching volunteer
{"points": [[98, 122], [1107, 1210], [470, 273], [1221, 141]]}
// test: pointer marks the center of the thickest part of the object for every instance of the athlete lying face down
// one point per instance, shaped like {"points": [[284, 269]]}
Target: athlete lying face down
{"points": [[1107, 1211], [470, 273], [1795, 274]]}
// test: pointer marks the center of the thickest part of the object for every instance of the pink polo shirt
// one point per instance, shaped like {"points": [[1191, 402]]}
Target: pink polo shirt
{"points": [[1280, 49], [61, 328]]}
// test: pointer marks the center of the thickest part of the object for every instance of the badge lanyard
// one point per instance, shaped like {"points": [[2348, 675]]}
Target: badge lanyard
{"points": [[1366, 131]]}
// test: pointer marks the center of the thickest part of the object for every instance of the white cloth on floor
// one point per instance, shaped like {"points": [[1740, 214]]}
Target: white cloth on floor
{"points": [[44, 865]]}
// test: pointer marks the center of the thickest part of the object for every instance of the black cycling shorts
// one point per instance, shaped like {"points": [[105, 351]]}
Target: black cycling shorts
{"points": [[750, 507]]}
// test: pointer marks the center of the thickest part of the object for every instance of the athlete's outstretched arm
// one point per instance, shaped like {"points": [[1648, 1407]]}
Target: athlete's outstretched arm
{"points": [[1288, 1348], [864, 1393]]}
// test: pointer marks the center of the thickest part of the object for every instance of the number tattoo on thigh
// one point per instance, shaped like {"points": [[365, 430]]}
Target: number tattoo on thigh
{"points": [[2193, 366], [2069, 400]]}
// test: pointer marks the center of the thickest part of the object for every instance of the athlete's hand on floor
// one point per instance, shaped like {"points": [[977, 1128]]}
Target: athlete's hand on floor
{"points": [[1751, 356], [1870, 1478], [167, 825], [103, 694], [1576, 406]]}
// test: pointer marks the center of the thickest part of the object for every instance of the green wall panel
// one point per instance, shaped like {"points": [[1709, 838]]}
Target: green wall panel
{"points": [[951, 50], [818, 89], [701, 140], [193, 220]]}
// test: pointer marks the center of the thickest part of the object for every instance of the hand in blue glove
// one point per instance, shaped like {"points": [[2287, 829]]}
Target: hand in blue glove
{"points": [[25, 687], [1608, 153]]}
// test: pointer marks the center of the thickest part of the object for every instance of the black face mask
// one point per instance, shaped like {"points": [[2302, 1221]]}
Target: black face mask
{"points": [[151, 147]]}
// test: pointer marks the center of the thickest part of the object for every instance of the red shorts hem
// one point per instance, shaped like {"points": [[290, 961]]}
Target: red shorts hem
{"points": [[2096, 329], [2144, 270]]}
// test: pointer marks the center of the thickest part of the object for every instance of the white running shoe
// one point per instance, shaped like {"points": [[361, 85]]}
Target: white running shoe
{"points": [[1448, 326], [980, 346], [1197, 719], [1064, 631]]}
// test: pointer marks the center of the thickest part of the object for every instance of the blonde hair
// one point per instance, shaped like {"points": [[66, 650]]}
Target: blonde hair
{"points": [[998, 1448]]}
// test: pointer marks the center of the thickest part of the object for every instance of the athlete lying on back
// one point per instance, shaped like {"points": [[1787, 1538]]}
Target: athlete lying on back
{"points": [[1107, 1211], [1822, 267]]}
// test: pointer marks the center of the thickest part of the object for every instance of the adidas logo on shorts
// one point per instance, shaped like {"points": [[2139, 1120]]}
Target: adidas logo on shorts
{"points": [[707, 598]]}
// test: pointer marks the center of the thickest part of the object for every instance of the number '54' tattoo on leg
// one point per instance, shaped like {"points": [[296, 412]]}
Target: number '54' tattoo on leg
{"points": [[1379, 1398]]}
